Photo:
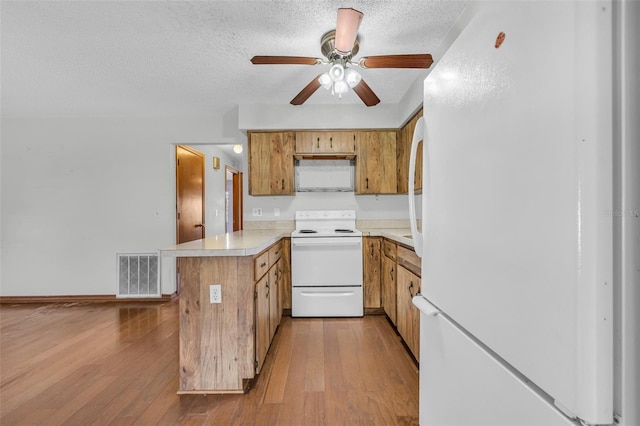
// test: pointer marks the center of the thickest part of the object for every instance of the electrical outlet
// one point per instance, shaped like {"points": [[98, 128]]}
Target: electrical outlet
{"points": [[276, 211], [257, 211], [215, 293]]}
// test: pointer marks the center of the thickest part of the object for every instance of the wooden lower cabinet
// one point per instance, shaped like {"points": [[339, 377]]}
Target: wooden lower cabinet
{"points": [[389, 288], [408, 316], [263, 328], [223, 345], [268, 304], [371, 270], [286, 273]]}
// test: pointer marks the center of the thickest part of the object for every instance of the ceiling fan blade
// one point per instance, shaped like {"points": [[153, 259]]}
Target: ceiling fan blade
{"points": [[285, 60], [305, 93], [365, 93], [396, 61], [347, 29]]}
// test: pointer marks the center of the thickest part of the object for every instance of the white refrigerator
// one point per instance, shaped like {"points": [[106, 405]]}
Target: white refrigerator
{"points": [[516, 217]]}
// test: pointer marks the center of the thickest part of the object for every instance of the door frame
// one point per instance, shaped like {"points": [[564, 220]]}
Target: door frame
{"points": [[237, 199]]}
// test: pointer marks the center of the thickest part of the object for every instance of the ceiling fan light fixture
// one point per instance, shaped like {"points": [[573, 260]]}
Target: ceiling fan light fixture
{"points": [[336, 72], [340, 87], [325, 80], [347, 30], [352, 77]]}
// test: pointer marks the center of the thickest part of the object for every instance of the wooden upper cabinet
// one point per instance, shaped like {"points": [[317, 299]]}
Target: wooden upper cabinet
{"points": [[325, 143], [403, 152], [376, 171], [271, 163]]}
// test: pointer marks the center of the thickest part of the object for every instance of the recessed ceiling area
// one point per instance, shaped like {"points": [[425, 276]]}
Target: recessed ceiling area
{"points": [[191, 58]]}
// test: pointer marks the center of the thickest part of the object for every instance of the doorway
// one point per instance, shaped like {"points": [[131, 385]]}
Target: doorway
{"points": [[189, 194], [233, 199]]}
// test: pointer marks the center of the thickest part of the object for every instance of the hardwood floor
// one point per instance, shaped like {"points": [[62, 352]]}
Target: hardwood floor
{"points": [[118, 364]]}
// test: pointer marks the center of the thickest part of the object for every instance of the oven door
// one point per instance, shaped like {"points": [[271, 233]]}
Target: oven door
{"points": [[326, 261]]}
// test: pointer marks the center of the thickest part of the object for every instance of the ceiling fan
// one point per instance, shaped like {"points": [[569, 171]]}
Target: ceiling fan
{"points": [[339, 46]]}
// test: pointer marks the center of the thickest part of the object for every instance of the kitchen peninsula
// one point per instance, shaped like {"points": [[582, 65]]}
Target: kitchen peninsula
{"points": [[223, 345], [223, 342]]}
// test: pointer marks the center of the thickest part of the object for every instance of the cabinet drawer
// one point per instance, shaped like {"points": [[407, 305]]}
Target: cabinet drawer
{"points": [[260, 265], [389, 249], [410, 260], [275, 251]]}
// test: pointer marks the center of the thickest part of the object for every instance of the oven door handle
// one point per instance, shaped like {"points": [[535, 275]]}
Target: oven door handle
{"points": [[325, 243]]}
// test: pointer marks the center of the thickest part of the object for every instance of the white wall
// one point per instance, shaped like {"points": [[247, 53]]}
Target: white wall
{"points": [[76, 191], [215, 182]]}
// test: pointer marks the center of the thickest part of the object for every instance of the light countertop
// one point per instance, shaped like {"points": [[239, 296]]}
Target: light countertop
{"points": [[253, 241], [240, 243], [399, 235]]}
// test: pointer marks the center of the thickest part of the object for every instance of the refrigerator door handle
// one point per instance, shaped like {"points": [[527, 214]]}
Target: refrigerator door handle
{"points": [[418, 135], [425, 306]]}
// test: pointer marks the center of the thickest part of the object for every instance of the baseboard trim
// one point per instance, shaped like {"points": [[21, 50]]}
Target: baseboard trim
{"points": [[93, 298]]}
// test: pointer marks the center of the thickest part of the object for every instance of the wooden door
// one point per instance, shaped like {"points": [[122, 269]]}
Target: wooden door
{"points": [[189, 194], [233, 202]]}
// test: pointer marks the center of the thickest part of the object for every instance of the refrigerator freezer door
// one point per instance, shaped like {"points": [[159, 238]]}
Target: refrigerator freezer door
{"points": [[461, 384], [517, 243]]}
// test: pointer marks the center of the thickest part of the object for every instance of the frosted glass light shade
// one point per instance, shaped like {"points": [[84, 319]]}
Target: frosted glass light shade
{"points": [[352, 77]]}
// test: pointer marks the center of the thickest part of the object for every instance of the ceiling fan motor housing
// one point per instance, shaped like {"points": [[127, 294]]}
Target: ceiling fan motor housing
{"points": [[328, 47]]}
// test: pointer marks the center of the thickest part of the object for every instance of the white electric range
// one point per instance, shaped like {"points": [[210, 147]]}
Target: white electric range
{"points": [[326, 265]]}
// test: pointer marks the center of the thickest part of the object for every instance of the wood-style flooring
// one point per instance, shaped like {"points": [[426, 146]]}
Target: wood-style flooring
{"points": [[82, 364]]}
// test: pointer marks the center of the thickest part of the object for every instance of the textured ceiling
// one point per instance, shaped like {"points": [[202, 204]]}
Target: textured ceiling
{"points": [[176, 58]]}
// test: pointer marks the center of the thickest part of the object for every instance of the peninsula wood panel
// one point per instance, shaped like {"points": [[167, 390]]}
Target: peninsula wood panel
{"points": [[216, 340]]}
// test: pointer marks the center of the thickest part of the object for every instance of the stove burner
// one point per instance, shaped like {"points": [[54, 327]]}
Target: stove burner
{"points": [[308, 231], [344, 230]]}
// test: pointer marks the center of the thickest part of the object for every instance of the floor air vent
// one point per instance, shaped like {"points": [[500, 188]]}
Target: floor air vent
{"points": [[138, 275]]}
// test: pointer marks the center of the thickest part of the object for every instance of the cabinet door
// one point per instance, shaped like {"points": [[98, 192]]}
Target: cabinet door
{"points": [[371, 268], [274, 294], [376, 162], [259, 164], [271, 163], [403, 151], [286, 273], [325, 142], [389, 288], [408, 316], [262, 321], [281, 164]]}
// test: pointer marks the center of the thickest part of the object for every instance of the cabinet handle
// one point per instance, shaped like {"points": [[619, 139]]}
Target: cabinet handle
{"points": [[371, 245], [331, 142], [410, 287], [391, 274], [367, 180], [282, 183], [263, 264], [318, 143]]}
